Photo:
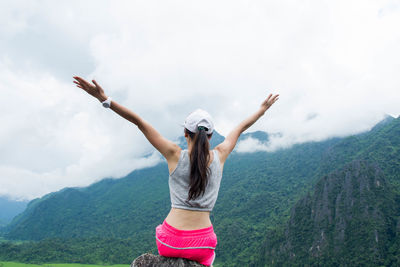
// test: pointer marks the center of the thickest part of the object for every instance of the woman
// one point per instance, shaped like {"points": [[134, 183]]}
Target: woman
{"points": [[195, 175]]}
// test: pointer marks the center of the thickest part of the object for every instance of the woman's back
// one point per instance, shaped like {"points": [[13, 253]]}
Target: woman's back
{"points": [[179, 184], [193, 214]]}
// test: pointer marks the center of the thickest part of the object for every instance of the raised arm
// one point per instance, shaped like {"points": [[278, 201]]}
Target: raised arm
{"points": [[226, 147], [166, 147]]}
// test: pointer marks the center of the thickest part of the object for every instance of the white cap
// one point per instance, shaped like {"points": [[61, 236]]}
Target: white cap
{"points": [[198, 118]]}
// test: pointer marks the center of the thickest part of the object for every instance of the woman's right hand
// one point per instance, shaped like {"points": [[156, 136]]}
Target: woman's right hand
{"points": [[94, 90]]}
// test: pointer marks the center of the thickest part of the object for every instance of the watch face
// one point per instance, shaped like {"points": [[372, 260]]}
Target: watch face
{"points": [[106, 105]]}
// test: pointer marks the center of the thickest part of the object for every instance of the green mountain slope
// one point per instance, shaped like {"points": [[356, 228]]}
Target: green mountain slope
{"points": [[381, 145], [257, 192], [253, 189], [350, 220]]}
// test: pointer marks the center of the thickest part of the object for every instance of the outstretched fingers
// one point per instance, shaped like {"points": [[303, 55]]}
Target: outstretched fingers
{"points": [[271, 99], [265, 102], [79, 85], [95, 83], [83, 82]]}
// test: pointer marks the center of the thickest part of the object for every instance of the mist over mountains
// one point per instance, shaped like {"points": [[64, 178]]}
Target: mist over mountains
{"points": [[10, 208], [271, 209]]}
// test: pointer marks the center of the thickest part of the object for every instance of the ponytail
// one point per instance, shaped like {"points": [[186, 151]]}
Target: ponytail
{"points": [[199, 158]]}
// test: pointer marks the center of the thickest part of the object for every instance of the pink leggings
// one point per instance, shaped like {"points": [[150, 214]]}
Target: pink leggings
{"points": [[197, 245]]}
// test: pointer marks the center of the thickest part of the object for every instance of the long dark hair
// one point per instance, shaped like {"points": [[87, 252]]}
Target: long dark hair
{"points": [[199, 157]]}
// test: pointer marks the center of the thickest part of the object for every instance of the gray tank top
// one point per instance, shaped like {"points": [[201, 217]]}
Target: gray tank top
{"points": [[179, 185]]}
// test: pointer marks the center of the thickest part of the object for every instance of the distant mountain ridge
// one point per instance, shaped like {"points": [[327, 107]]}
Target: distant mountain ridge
{"points": [[217, 138], [9, 209]]}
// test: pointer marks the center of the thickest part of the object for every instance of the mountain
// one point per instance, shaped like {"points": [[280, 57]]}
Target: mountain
{"points": [[256, 195], [349, 220], [256, 191], [381, 147], [9, 209], [70, 211], [215, 140], [386, 120]]}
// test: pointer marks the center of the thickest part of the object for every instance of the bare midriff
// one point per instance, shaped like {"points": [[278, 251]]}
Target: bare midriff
{"points": [[188, 219]]}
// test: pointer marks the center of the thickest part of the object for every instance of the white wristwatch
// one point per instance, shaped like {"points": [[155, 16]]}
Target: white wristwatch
{"points": [[107, 103]]}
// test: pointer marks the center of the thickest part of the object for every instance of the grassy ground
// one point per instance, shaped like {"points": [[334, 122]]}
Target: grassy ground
{"points": [[17, 264]]}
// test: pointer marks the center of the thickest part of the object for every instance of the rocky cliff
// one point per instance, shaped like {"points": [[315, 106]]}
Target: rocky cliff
{"points": [[350, 218]]}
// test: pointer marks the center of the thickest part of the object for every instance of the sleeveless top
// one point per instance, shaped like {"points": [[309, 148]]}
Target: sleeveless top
{"points": [[179, 185]]}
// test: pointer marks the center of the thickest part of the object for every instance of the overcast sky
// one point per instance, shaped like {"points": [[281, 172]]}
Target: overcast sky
{"points": [[335, 65]]}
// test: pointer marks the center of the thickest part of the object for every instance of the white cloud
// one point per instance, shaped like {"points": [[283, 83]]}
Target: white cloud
{"points": [[334, 64], [55, 137], [250, 145]]}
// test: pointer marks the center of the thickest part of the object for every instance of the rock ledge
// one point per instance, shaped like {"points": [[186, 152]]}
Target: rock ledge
{"points": [[150, 260]]}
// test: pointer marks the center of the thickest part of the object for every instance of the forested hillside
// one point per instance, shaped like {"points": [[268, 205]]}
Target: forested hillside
{"points": [[256, 196], [255, 192], [351, 219], [380, 148]]}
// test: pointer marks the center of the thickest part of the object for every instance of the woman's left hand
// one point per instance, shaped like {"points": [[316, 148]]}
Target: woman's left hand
{"points": [[94, 90], [271, 99]]}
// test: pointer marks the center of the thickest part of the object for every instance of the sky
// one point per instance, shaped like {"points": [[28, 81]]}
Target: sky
{"points": [[335, 65]]}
